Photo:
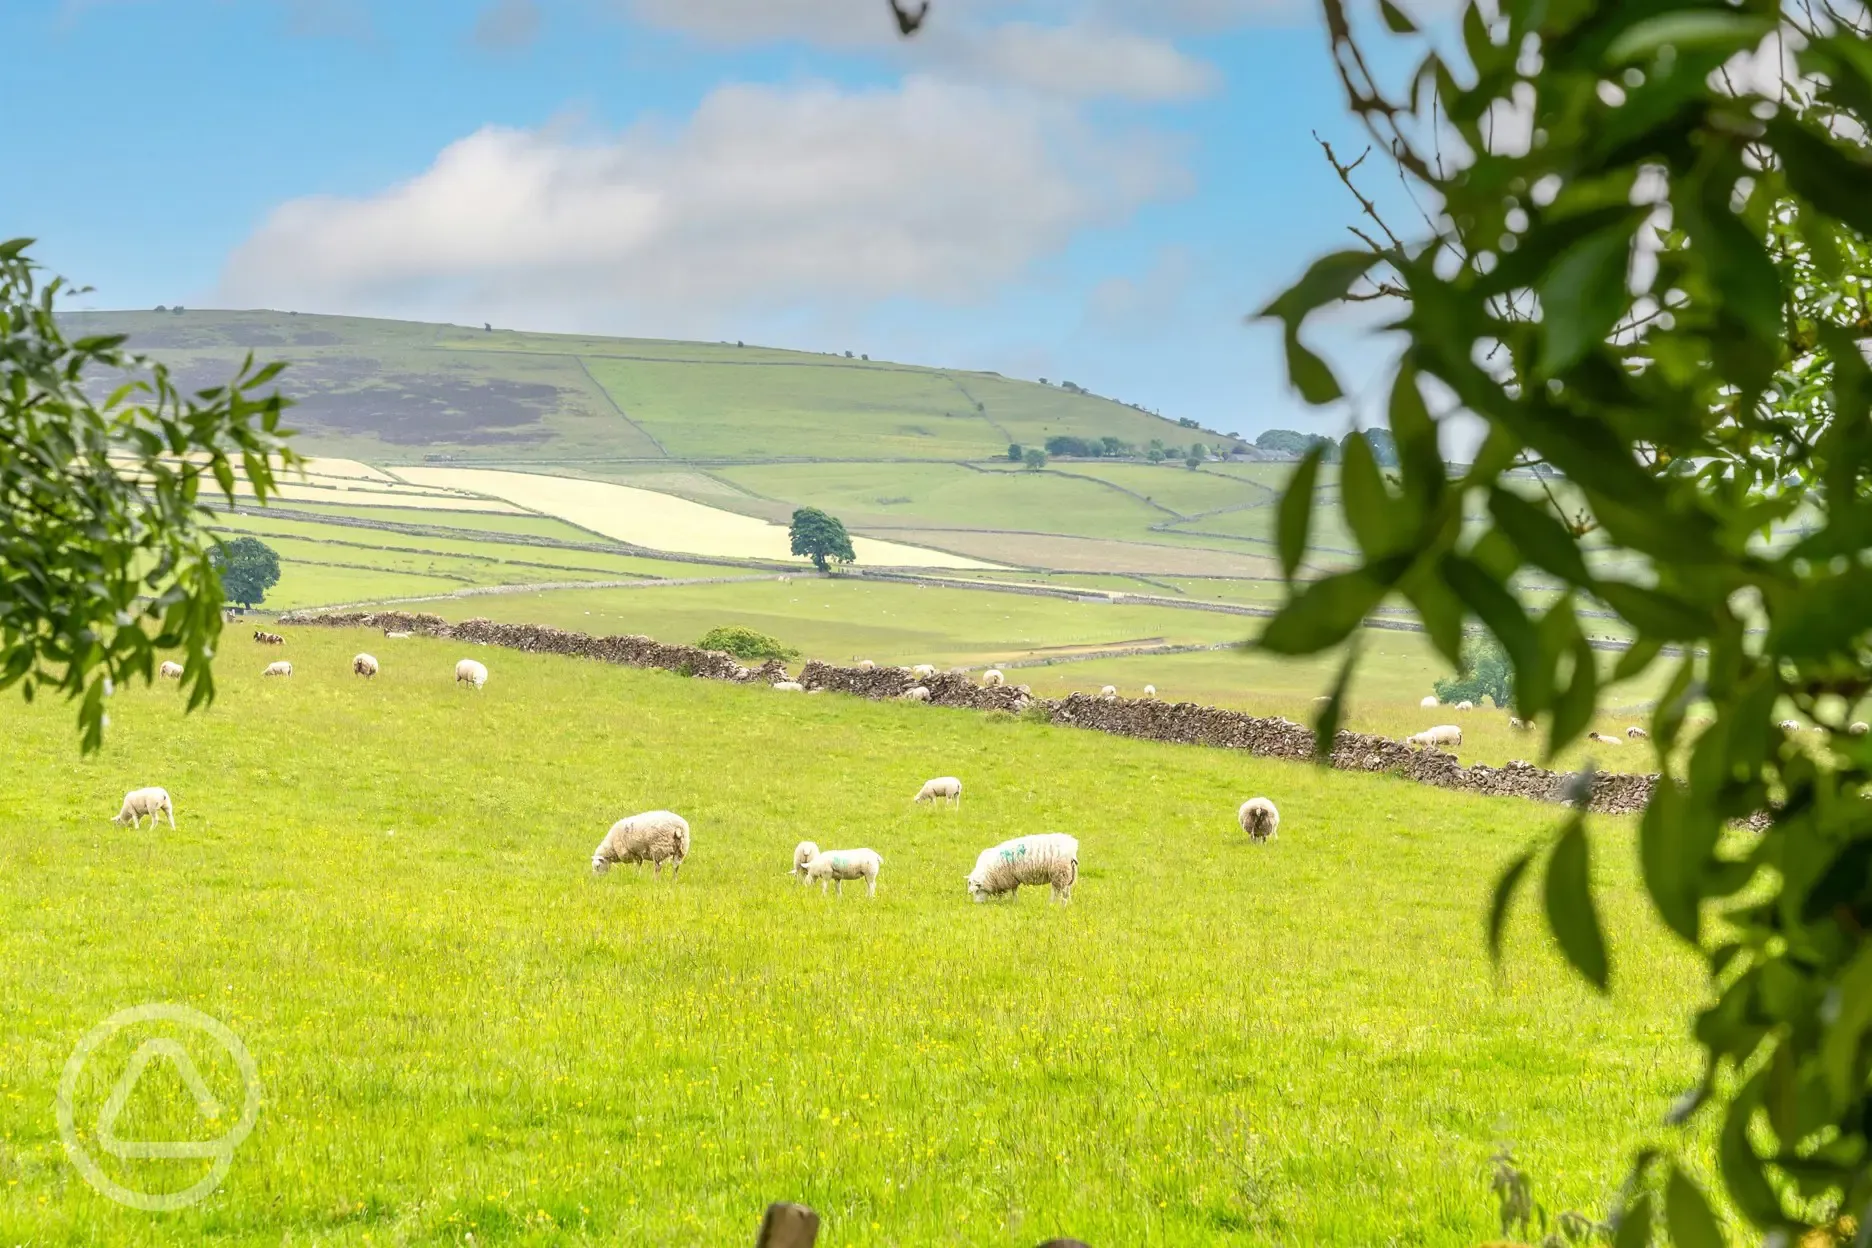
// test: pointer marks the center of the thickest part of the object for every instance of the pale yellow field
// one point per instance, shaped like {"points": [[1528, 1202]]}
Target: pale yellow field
{"points": [[661, 521], [349, 469], [292, 490]]}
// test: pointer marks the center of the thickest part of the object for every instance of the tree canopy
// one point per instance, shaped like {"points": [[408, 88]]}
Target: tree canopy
{"points": [[248, 568], [104, 558], [820, 537]]}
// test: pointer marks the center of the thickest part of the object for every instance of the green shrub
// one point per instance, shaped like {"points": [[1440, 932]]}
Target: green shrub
{"points": [[745, 643]]}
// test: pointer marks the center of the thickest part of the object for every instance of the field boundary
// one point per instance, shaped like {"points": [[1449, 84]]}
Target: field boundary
{"points": [[1182, 723]]}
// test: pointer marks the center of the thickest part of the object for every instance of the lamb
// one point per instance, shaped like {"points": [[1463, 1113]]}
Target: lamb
{"points": [[788, 686], [923, 671], [170, 670], [152, 801], [281, 668], [1049, 858], [1441, 735], [268, 639], [939, 789], [1636, 733], [1150, 691], [1429, 702], [655, 837], [1259, 819], [364, 665], [1109, 693], [1602, 739], [993, 679], [916, 694], [839, 865], [803, 853], [1465, 706]]}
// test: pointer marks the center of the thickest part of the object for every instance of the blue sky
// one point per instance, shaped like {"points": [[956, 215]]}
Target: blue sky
{"points": [[1095, 190]]}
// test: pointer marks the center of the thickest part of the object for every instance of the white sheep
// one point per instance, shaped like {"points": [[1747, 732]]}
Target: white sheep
{"points": [[1602, 739], [1858, 728], [364, 665], [1150, 691], [471, 673], [1259, 819], [281, 668], [390, 636], [803, 853], [1465, 706], [993, 679], [916, 694], [152, 801], [866, 665], [655, 837], [923, 671], [788, 686], [839, 865], [1519, 725], [1109, 693], [1441, 735], [940, 789], [1636, 733], [1048, 858], [170, 670], [1429, 702]]}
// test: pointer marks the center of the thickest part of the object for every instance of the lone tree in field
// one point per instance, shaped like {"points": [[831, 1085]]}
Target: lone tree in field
{"points": [[104, 561], [1035, 459], [1486, 673], [820, 537], [248, 567]]}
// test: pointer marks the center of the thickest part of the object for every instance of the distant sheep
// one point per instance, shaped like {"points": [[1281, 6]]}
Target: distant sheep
{"points": [[916, 694], [1636, 733], [1858, 728], [942, 788], [803, 853], [390, 636], [470, 672], [1429, 702], [992, 679], [839, 865], [170, 670], [1519, 725], [1442, 735], [1109, 693], [281, 668], [1259, 819], [1049, 858], [152, 801], [364, 665], [1150, 691], [866, 665], [788, 686], [1465, 706], [1602, 739], [268, 639], [923, 671], [655, 837]]}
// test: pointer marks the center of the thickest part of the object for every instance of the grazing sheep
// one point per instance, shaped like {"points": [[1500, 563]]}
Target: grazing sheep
{"points": [[152, 801], [939, 789], [923, 671], [268, 639], [992, 679], [1150, 691], [803, 853], [1259, 819], [839, 865], [1441, 735], [655, 837], [1049, 858], [1519, 725], [1109, 693], [390, 636], [788, 686], [1602, 739], [281, 668], [364, 665], [471, 673], [1636, 733], [866, 665], [917, 694], [170, 670], [1429, 702], [1026, 689], [1465, 706], [1858, 728]]}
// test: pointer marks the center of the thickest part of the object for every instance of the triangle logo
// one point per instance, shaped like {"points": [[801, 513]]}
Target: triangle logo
{"points": [[184, 1066]]}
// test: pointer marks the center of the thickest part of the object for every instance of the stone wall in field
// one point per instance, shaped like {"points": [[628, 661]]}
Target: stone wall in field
{"points": [[1183, 723]]}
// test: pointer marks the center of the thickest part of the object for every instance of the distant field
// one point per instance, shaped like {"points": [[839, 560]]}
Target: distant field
{"points": [[467, 522], [383, 889]]}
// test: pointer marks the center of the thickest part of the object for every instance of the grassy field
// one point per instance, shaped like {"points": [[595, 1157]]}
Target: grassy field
{"points": [[460, 1032]]}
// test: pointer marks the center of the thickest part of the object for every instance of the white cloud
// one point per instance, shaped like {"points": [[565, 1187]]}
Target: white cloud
{"points": [[765, 198]]}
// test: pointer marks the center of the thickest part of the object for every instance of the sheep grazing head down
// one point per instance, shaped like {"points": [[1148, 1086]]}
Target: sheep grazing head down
{"points": [[803, 853]]}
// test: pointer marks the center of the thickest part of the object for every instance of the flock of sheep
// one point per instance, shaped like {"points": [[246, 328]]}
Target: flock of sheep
{"points": [[661, 836]]}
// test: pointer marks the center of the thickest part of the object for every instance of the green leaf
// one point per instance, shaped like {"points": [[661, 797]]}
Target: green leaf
{"points": [[1542, 540], [1832, 178], [1839, 1050], [1501, 611], [1323, 615], [1503, 897], [1326, 281], [1654, 614], [1326, 727], [1685, 30], [1573, 706], [1570, 910], [1634, 1227], [1296, 512], [1397, 19], [1583, 296], [1642, 654], [1369, 509], [1742, 1172], [1688, 1215], [1311, 376]]}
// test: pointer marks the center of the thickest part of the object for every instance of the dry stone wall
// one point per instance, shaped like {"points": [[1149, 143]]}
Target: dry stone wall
{"points": [[1184, 723]]}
